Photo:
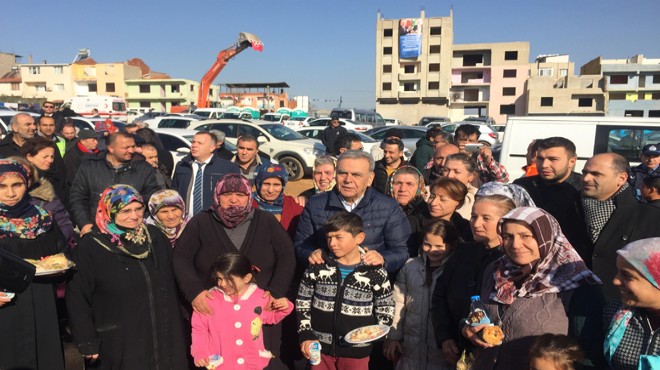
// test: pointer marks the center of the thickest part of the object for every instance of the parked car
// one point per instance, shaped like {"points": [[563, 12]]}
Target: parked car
{"points": [[425, 120], [275, 117], [347, 123], [313, 133], [294, 122], [411, 134], [392, 122], [361, 116], [487, 136], [291, 149], [178, 141], [210, 113], [148, 116], [170, 122], [84, 123], [187, 115], [483, 120], [500, 132]]}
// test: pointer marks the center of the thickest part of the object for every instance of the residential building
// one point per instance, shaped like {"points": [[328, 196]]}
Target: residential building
{"points": [[488, 80], [413, 87], [7, 62], [554, 89], [91, 78], [262, 96], [46, 81], [632, 86], [163, 94]]}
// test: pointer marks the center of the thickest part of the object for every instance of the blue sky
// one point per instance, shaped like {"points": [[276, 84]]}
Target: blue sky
{"points": [[323, 49]]}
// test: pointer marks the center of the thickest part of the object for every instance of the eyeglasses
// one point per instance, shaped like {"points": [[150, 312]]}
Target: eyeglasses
{"points": [[49, 106]]}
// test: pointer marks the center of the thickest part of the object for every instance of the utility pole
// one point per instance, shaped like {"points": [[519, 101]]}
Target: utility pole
{"points": [[340, 100]]}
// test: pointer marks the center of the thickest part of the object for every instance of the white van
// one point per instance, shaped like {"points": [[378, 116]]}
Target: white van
{"points": [[591, 135], [108, 106], [210, 113], [366, 116]]}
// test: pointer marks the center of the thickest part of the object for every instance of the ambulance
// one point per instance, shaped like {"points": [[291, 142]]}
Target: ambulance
{"points": [[108, 106]]}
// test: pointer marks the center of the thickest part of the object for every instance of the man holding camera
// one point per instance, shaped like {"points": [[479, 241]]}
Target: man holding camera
{"points": [[466, 138]]}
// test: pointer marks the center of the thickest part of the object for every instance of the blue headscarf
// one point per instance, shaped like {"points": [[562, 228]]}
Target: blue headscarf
{"points": [[272, 171]]}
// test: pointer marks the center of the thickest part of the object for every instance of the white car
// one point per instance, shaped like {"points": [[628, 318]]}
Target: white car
{"points": [[288, 147], [170, 122], [294, 122], [178, 141], [488, 135], [347, 123], [392, 122], [275, 118]]}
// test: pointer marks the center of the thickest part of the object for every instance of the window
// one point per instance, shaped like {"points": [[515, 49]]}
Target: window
{"points": [[509, 73], [410, 68], [655, 96], [585, 102], [546, 101], [387, 68], [508, 109], [628, 142], [245, 129], [92, 88], [634, 113], [434, 67], [434, 85], [145, 89], [563, 72], [409, 86], [192, 88], [387, 86], [434, 49], [387, 50], [177, 88], [145, 104], [34, 70], [58, 87], [387, 32], [472, 60], [109, 87], [172, 143], [15, 86], [619, 79], [435, 31], [40, 88], [546, 71], [508, 91], [656, 79], [654, 113], [617, 96], [117, 106], [58, 70], [510, 55]]}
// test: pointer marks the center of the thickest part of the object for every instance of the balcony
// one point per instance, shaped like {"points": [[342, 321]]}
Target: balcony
{"points": [[409, 94], [409, 77]]}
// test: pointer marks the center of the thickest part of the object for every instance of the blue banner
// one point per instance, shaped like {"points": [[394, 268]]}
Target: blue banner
{"points": [[410, 37]]}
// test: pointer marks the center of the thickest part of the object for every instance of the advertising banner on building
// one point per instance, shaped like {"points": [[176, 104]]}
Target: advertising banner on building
{"points": [[410, 37]]}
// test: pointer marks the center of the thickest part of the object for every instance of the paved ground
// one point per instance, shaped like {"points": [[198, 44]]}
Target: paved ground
{"points": [[296, 187]]}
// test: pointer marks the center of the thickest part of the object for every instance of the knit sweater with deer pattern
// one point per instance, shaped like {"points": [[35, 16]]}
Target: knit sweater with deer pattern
{"points": [[328, 307]]}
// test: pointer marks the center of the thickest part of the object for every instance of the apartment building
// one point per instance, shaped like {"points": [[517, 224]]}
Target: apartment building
{"points": [[91, 78], [408, 88], [7, 62], [632, 86], [163, 94], [553, 88], [50, 81], [488, 80]]}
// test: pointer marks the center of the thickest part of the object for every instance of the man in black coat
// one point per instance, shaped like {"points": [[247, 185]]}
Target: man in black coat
{"points": [[114, 166], [556, 189], [23, 127], [613, 215], [85, 146], [330, 135], [392, 159]]}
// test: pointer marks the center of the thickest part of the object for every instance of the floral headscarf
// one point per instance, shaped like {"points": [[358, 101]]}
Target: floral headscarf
{"points": [[272, 171], [233, 215], [114, 199], [516, 193], [22, 220], [167, 198], [559, 268]]}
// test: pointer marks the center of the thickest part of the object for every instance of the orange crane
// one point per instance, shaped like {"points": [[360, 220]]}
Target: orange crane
{"points": [[245, 40]]}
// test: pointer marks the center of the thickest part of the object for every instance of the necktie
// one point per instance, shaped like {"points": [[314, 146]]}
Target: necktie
{"points": [[197, 190]]}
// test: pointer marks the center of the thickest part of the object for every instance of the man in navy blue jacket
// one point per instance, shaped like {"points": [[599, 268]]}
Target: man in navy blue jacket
{"points": [[386, 226], [212, 168]]}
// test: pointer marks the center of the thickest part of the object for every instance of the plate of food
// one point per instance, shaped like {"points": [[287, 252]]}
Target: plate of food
{"points": [[51, 265], [366, 334]]}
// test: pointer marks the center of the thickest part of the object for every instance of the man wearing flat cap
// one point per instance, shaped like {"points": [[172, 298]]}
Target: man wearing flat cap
{"points": [[650, 166]]}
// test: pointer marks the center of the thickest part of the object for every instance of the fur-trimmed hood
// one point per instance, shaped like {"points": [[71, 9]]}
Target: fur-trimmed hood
{"points": [[43, 190]]}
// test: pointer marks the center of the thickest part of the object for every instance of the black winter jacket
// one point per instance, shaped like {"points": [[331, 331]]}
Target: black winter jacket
{"points": [[96, 174]]}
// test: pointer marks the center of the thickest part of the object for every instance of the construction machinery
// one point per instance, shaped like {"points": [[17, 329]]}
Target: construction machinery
{"points": [[245, 40]]}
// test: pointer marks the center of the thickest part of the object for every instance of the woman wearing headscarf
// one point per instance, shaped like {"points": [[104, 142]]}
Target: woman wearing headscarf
{"points": [[632, 340], [269, 196], [122, 300], [231, 225], [167, 211], [540, 285], [29, 333], [408, 189]]}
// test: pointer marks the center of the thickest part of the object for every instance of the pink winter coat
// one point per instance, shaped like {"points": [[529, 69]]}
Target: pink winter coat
{"points": [[233, 331]]}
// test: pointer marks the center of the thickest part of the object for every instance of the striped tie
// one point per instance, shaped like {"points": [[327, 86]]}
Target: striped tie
{"points": [[197, 189]]}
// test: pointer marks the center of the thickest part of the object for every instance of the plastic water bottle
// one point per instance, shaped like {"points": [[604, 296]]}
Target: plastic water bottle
{"points": [[477, 314], [315, 353]]}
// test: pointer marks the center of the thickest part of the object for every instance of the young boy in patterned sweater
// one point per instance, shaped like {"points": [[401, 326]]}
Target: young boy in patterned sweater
{"points": [[340, 295]]}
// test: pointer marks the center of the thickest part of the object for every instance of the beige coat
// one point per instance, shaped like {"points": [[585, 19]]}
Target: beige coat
{"points": [[466, 208]]}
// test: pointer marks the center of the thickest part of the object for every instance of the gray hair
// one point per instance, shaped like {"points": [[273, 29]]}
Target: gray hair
{"points": [[218, 134], [14, 119], [358, 154], [325, 159]]}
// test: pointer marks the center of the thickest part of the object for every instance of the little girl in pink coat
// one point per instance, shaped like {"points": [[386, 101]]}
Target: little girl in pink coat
{"points": [[231, 337]]}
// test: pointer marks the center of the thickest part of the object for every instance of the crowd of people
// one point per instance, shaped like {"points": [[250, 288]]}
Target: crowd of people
{"points": [[212, 262]]}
